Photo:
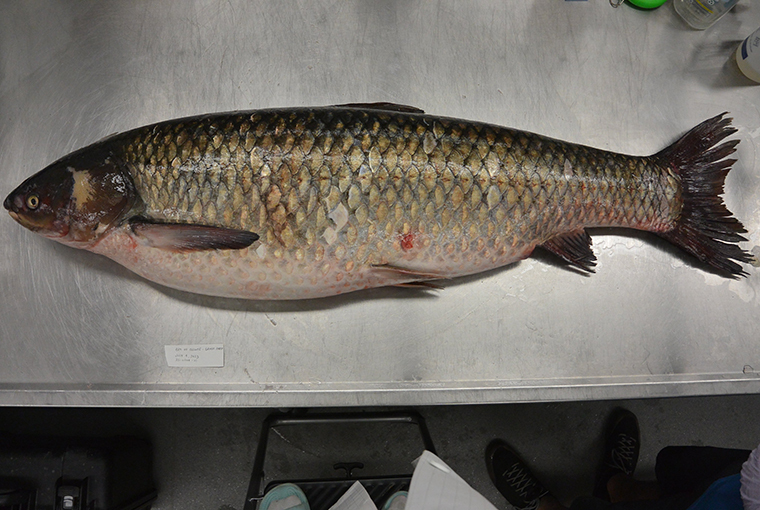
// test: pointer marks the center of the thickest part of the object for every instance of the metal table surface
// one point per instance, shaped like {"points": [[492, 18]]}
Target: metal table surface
{"points": [[78, 329]]}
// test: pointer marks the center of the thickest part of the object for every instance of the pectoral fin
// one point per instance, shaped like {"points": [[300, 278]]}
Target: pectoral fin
{"points": [[388, 107], [183, 237], [574, 248]]}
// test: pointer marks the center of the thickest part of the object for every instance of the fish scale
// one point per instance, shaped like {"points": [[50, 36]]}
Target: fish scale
{"points": [[392, 165], [308, 202]]}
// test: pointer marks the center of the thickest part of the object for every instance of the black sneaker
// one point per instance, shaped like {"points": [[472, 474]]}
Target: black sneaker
{"points": [[621, 450], [512, 477]]}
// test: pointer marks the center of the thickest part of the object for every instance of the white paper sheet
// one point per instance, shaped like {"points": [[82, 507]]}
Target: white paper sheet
{"points": [[355, 498], [435, 486]]}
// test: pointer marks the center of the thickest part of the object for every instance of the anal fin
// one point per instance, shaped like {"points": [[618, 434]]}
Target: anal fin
{"points": [[574, 248], [184, 237]]}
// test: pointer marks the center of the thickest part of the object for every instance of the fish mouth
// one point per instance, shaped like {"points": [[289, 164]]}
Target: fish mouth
{"points": [[12, 208], [21, 219], [24, 222]]}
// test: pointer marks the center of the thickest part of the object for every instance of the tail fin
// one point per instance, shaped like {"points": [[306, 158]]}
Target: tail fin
{"points": [[705, 227]]}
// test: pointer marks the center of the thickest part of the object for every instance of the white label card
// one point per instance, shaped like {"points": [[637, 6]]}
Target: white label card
{"points": [[205, 355]]}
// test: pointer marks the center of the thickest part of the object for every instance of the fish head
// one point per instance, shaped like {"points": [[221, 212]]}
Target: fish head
{"points": [[75, 200]]}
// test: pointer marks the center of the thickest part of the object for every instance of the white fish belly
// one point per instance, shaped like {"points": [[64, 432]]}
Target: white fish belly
{"points": [[255, 273]]}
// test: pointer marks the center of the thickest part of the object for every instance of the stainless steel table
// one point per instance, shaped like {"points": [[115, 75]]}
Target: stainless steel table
{"points": [[80, 330]]}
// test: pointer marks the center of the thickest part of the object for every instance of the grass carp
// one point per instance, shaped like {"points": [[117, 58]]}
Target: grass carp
{"points": [[307, 202]]}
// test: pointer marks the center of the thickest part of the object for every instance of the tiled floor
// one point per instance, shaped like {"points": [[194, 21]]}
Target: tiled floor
{"points": [[203, 457]]}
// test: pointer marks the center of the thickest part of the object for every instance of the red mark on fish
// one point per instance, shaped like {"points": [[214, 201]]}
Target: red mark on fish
{"points": [[407, 241]]}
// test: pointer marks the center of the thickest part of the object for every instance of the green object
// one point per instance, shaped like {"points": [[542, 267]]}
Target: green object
{"points": [[647, 4], [289, 497]]}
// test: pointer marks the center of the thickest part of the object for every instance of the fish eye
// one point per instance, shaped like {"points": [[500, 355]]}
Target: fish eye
{"points": [[33, 201]]}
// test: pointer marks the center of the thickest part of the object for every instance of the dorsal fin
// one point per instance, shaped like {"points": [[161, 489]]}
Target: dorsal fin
{"points": [[108, 137], [574, 248], [387, 107]]}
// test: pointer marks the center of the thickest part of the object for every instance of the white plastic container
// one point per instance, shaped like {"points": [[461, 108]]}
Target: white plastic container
{"points": [[701, 14], [748, 56]]}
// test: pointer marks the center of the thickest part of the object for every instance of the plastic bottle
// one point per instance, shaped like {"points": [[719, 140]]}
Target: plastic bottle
{"points": [[701, 14], [748, 56]]}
